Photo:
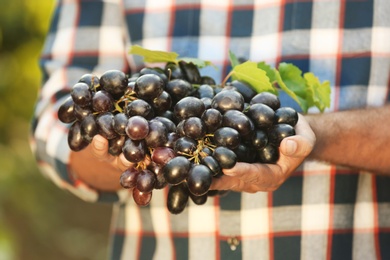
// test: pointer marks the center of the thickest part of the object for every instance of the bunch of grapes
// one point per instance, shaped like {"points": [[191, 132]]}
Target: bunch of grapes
{"points": [[178, 128]]}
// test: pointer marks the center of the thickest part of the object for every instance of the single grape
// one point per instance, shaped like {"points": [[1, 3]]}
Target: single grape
{"points": [[199, 200], [212, 119], [239, 121], [102, 101], [161, 182], [115, 145], [266, 98], [169, 124], [260, 140], [188, 107], [245, 153], [212, 164], [207, 80], [81, 94], [105, 125], [157, 135], [75, 140], [205, 91], [145, 181], [142, 199], [228, 137], [91, 80], [134, 151], [194, 128], [225, 157], [177, 198], [149, 86], [199, 179], [286, 115], [178, 89], [190, 72], [128, 178], [137, 128], [81, 112], [114, 82], [89, 127], [244, 89], [185, 146], [171, 140], [207, 102], [278, 132], [176, 170], [156, 71], [228, 100], [173, 71], [120, 123], [162, 103], [66, 111], [161, 155], [269, 154], [261, 115], [140, 107]]}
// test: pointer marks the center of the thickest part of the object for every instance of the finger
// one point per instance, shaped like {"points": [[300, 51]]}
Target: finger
{"points": [[257, 174], [99, 149], [234, 184], [296, 146]]}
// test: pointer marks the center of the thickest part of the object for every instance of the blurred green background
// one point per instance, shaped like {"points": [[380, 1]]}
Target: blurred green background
{"points": [[37, 220]]}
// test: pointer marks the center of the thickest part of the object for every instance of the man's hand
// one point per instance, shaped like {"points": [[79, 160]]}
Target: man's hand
{"points": [[95, 166], [268, 177]]}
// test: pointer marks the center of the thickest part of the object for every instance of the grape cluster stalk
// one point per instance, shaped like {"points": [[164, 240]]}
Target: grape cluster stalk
{"points": [[178, 128]]}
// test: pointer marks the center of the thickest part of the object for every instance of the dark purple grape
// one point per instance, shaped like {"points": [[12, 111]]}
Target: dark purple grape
{"points": [[206, 151], [114, 82], [66, 111], [89, 127], [239, 121], [205, 91], [286, 115], [212, 164], [102, 101], [199, 200], [162, 103], [140, 107], [225, 157], [269, 154], [91, 80], [120, 123], [169, 125], [245, 153], [145, 181], [262, 115], [194, 128], [188, 107], [207, 80], [142, 199], [81, 112], [244, 89], [185, 146], [212, 119], [278, 132], [178, 89], [134, 151], [207, 102], [171, 140], [228, 100], [266, 98], [157, 135], [173, 71], [260, 139], [177, 198], [228, 137], [180, 128], [105, 124], [115, 145], [161, 182], [156, 71], [161, 155], [137, 128], [176, 170], [75, 140], [149, 86], [81, 94], [199, 179], [128, 178]]}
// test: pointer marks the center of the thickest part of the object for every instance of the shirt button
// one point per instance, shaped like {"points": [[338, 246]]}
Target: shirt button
{"points": [[233, 242]]}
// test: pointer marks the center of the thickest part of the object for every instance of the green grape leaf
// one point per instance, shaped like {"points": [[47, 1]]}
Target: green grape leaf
{"points": [[233, 59], [302, 102], [318, 94], [268, 69], [292, 77], [152, 55], [197, 62], [249, 73]]}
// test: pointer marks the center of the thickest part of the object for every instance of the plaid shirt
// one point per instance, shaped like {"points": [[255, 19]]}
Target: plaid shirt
{"points": [[322, 211]]}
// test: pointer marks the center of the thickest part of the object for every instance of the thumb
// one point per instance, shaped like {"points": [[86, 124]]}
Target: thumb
{"points": [[296, 146]]}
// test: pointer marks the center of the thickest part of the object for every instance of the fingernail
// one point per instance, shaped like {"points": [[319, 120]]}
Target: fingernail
{"points": [[291, 147]]}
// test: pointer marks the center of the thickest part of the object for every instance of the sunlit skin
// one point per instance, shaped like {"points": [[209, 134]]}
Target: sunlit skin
{"points": [[348, 138]]}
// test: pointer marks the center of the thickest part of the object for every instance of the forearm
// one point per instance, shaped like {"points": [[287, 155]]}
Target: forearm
{"points": [[355, 138]]}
